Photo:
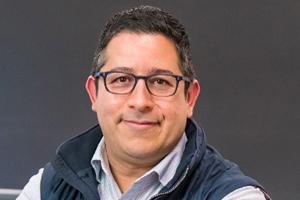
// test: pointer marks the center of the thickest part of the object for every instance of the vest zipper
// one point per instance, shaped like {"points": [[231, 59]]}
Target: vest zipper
{"points": [[173, 188]]}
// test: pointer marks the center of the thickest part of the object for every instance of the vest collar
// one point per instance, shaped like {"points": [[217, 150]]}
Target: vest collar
{"points": [[74, 156]]}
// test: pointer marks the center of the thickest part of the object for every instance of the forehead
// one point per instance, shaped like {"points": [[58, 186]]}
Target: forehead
{"points": [[141, 52]]}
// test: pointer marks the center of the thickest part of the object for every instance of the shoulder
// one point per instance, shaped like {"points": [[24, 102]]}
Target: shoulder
{"points": [[246, 193], [32, 188], [216, 177]]}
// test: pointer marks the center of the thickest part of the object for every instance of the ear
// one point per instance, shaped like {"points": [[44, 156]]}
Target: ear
{"points": [[91, 90], [192, 96]]}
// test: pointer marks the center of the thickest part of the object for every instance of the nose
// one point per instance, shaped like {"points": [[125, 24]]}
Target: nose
{"points": [[140, 98]]}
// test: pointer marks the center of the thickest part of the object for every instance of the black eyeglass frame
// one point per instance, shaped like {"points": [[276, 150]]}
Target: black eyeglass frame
{"points": [[145, 78]]}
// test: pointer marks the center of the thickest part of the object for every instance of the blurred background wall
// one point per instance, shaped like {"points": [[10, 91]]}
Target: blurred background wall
{"points": [[246, 55]]}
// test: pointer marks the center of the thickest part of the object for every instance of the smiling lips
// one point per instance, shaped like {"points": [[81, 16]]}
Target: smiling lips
{"points": [[140, 124]]}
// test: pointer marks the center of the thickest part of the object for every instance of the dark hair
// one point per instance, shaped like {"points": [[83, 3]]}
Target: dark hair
{"points": [[146, 19]]}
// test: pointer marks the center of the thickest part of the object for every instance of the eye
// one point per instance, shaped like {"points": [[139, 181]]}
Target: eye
{"points": [[122, 79], [161, 80], [119, 78]]}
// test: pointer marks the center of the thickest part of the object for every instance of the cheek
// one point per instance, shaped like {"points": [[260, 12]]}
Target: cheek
{"points": [[107, 107], [175, 115], [174, 109]]}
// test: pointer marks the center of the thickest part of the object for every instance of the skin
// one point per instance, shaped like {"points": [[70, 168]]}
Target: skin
{"points": [[140, 129]]}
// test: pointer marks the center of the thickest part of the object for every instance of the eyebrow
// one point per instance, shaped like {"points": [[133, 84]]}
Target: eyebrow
{"points": [[155, 70], [160, 71], [122, 69]]}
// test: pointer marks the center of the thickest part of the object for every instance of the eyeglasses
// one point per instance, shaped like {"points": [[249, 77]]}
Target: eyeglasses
{"points": [[161, 85]]}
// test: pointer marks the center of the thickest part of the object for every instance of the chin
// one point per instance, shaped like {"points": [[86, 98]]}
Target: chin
{"points": [[143, 152]]}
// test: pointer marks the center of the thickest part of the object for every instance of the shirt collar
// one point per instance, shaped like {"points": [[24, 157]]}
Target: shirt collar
{"points": [[99, 160], [165, 169]]}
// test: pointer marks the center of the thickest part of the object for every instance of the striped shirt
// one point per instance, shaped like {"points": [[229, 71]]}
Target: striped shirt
{"points": [[144, 187]]}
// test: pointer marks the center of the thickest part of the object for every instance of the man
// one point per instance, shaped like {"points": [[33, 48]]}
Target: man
{"points": [[146, 146]]}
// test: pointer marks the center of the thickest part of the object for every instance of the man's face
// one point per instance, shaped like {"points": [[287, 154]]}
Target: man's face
{"points": [[138, 127]]}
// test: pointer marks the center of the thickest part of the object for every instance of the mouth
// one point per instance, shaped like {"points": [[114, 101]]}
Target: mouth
{"points": [[140, 124]]}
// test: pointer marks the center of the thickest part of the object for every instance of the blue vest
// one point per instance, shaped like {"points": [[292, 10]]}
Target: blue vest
{"points": [[203, 173]]}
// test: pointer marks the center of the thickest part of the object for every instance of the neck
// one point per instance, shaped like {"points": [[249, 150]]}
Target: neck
{"points": [[126, 175], [125, 172]]}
